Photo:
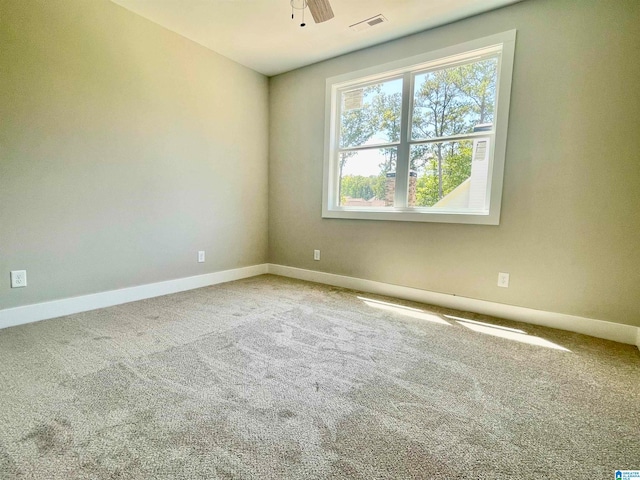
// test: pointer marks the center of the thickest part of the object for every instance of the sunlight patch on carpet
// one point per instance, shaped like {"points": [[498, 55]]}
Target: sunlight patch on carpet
{"points": [[496, 331], [406, 311]]}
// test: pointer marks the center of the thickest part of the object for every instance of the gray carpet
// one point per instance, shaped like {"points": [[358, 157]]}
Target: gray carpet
{"points": [[273, 378]]}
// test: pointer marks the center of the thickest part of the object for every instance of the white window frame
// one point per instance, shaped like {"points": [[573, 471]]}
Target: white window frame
{"points": [[504, 44]]}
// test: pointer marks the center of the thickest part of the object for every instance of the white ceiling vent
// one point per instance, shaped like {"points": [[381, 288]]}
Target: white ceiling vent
{"points": [[368, 23]]}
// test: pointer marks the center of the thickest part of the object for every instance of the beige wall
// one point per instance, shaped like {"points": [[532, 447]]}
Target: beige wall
{"points": [[570, 227], [124, 149]]}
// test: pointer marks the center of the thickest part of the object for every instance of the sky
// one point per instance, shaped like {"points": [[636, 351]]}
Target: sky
{"points": [[365, 162]]}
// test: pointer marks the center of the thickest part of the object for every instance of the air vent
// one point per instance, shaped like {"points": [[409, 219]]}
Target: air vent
{"points": [[368, 23]]}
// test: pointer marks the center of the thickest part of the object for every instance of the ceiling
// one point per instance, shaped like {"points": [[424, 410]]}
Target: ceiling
{"points": [[261, 35]]}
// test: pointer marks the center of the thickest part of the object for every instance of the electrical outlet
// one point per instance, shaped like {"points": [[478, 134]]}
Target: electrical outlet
{"points": [[18, 278], [201, 256], [503, 280], [316, 255]]}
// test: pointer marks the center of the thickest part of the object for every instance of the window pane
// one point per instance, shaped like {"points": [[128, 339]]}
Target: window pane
{"points": [[371, 115], [454, 100], [450, 175], [367, 178]]}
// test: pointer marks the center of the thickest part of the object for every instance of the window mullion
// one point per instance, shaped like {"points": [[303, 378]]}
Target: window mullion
{"points": [[377, 146], [402, 161], [452, 138]]}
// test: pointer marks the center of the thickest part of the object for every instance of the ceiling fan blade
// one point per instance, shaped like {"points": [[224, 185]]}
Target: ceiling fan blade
{"points": [[320, 10]]}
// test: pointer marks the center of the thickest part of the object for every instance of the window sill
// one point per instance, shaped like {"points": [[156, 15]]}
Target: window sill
{"points": [[413, 215]]}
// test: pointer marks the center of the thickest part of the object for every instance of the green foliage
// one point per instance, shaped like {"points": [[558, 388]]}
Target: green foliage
{"points": [[438, 109], [357, 186], [378, 185], [388, 116], [380, 113], [427, 191], [447, 102], [476, 82], [453, 100], [456, 168]]}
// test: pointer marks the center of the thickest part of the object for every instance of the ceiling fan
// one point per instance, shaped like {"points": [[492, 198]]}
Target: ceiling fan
{"points": [[320, 10]]}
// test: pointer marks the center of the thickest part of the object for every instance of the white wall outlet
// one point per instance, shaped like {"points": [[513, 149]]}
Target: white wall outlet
{"points": [[316, 255], [503, 280], [18, 278], [201, 256]]}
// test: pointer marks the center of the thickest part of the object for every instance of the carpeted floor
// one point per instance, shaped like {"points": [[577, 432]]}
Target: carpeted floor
{"points": [[273, 378]]}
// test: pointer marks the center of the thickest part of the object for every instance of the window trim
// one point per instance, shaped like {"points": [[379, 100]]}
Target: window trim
{"points": [[336, 84]]}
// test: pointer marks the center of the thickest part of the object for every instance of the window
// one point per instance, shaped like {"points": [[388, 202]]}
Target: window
{"points": [[421, 139]]}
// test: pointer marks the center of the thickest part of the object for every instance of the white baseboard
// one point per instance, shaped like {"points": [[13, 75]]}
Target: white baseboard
{"points": [[57, 308], [596, 328]]}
